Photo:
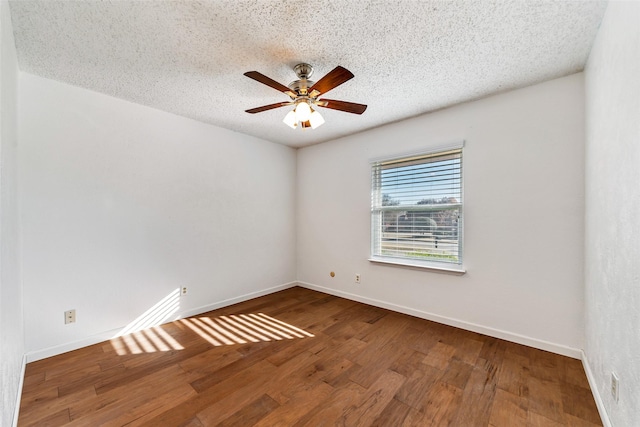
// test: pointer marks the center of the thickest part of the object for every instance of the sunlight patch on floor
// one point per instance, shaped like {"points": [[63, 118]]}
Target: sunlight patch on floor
{"points": [[243, 329], [145, 335], [149, 340]]}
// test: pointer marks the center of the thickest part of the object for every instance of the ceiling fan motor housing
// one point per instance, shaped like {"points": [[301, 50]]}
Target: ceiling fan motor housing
{"points": [[303, 71], [300, 86]]}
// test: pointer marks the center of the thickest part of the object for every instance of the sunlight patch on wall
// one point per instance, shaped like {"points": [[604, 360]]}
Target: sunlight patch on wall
{"points": [[243, 329], [144, 335], [156, 315]]}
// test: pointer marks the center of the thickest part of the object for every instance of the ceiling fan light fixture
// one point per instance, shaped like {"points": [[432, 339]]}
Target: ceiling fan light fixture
{"points": [[290, 119], [315, 119]]}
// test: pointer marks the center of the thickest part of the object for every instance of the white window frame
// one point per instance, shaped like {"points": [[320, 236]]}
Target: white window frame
{"points": [[377, 209]]}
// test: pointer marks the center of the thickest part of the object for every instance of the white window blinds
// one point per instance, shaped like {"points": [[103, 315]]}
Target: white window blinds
{"points": [[416, 208]]}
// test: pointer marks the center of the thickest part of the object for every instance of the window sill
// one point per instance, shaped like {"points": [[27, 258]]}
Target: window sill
{"points": [[457, 270]]}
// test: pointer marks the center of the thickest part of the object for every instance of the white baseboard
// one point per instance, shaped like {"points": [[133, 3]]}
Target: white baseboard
{"points": [[236, 300], [606, 422], [107, 335], [16, 410], [496, 333]]}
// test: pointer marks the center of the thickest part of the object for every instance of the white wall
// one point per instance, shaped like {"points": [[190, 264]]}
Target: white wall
{"points": [[612, 256], [122, 204], [523, 176], [11, 321]]}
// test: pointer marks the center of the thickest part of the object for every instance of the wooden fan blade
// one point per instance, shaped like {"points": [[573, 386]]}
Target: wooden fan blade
{"points": [[349, 107], [267, 107], [335, 78], [269, 82]]}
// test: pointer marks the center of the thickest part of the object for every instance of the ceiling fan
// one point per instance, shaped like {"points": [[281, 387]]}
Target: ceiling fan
{"points": [[305, 94]]}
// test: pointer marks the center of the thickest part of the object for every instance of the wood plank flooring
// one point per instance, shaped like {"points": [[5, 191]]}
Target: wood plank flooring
{"points": [[303, 358]]}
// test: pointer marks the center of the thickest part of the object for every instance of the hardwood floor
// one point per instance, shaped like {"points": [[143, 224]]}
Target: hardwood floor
{"points": [[300, 357]]}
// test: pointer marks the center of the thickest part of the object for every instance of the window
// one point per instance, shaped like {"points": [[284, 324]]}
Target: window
{"points": [[416, 210]]}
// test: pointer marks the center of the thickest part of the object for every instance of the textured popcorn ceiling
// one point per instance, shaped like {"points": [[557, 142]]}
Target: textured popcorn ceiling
{"points": [[408, 57]]}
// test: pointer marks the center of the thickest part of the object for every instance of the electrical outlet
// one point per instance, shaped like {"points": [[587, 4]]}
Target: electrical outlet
{"points": [[357, 278], [615, 387], [184, 290], [69, 317]]}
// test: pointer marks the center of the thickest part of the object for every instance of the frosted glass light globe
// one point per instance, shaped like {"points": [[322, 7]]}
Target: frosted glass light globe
{"points": [[303, 111], [316, 120], [290, 119]]}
